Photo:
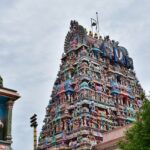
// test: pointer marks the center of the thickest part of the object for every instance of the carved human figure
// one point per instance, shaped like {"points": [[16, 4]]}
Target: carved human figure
{"points": [[84, 121], [81, 120], [75, 125], [63, 97], [71, 144], [65, 125], [78, 109], [78, 123], [74, 43], [70, 124], [57, 127]]}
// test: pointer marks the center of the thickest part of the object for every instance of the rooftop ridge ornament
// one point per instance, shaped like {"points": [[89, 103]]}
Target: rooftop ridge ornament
{"points": [[74, 25], [76, 35]]}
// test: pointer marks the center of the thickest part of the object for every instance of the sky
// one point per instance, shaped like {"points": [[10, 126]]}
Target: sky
{"points": [[32, 34]]}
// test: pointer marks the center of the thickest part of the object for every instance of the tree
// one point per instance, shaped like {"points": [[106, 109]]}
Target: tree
{"points": [[138, 137]]}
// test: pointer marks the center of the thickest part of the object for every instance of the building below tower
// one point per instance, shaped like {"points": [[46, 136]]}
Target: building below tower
{"points": [[7, 99], [112, 138], [96, 91]]}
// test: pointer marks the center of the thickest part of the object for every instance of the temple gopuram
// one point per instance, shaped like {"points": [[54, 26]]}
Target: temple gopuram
{"points": [[96, 91], [7, 99]]}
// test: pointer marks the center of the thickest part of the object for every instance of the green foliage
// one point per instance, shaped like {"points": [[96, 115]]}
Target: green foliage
{"points": [[138, 137]]}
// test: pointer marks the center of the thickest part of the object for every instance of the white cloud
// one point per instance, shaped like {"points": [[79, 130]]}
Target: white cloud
{"points": [[32, 34]]}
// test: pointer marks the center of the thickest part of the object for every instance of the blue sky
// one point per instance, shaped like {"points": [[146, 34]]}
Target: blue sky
{"points": [[32, 34]]}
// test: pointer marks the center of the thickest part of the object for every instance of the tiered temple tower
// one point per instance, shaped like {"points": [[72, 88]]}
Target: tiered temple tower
{"points": [[96, 91], [7, 99]]}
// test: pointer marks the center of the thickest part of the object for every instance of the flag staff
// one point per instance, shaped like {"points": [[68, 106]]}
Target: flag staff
{"points": [[95, 22], [92, 25]]}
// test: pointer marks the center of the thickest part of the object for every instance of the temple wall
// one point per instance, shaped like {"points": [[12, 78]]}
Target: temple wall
{"points": [[111, 139], [117, 133]]}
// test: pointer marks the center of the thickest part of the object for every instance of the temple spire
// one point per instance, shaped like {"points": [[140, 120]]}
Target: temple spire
{"points": [[95, 91]]}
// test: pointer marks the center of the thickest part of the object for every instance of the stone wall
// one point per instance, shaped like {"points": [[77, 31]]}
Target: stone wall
{"points": [[111, 139]]}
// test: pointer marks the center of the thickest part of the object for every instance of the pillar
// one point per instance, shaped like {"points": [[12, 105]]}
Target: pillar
{"points": [[9, 120]]}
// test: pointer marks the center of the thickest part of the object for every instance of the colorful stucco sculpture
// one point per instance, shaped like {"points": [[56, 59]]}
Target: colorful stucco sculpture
{"points": [[96, 91]]}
